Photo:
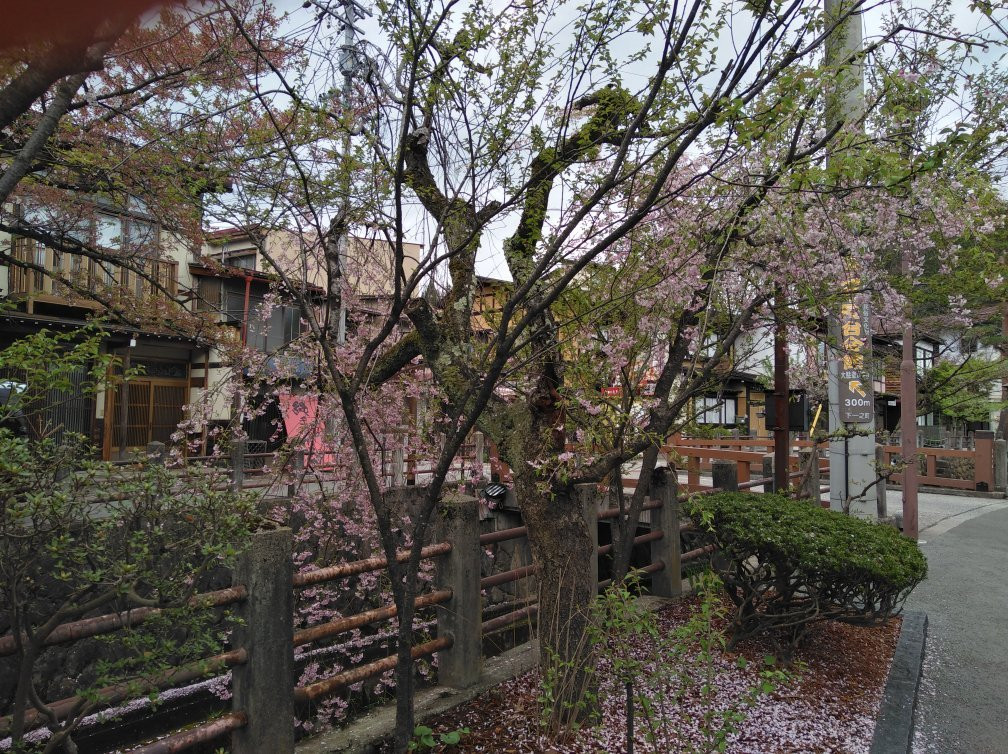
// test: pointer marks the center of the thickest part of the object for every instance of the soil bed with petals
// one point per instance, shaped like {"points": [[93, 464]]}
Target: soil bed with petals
{"points": [[828, 705]]}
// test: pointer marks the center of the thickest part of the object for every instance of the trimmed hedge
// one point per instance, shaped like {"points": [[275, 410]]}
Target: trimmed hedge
{"points": [[787, 564]]}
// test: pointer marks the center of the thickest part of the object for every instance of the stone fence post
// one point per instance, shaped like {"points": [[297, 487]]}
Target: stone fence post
{"points": [[768, 473], [263, 687], [460, 617], [157, 453], [725, 475], [664, 487], [809, 464]]}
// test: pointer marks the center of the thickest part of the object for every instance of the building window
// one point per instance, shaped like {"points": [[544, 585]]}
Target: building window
{"points": [[284, 326], [110, 231], [716, 410], [244, 261], [292, 323], [709, 346], [234, 304], [103, 274], [141, 236], [924, 357], [166, 274], [243, 258], [208, 294]]}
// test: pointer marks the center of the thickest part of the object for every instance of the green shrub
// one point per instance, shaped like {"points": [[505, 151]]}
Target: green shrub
{"points": [[786, 564]]}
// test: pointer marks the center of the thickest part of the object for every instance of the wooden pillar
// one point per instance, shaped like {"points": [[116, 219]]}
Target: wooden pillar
{"points": [[984, 465]]}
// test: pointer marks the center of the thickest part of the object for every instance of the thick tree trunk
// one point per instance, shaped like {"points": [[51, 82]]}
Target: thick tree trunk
{"points": [[627, 524], [562, 546], [562, 549]]}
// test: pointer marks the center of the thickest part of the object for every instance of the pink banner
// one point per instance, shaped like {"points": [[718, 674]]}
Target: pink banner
{"points": [[305, 428]]}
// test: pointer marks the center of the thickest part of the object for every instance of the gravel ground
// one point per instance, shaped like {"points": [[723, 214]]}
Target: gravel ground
{"points": [[830, 706]]}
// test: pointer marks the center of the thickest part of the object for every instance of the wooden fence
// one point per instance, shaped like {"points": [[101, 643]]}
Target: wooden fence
{"points": [[261, 657], [262, 654], [950, 468], [942, 468]]}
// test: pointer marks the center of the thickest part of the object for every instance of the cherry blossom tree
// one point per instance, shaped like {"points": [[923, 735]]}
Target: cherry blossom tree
{"points": [[476, 118], [857, 216]]}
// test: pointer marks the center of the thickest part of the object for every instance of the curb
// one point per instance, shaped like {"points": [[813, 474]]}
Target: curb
{"points": [[894, 726], [954, 492]]}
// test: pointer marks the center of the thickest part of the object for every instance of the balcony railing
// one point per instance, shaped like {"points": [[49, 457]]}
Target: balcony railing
{"points": [[62, 277]]}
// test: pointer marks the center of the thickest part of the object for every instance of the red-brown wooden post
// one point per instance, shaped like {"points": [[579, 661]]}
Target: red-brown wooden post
{"points": [[744, 471], [983, 474], [693, 472]]}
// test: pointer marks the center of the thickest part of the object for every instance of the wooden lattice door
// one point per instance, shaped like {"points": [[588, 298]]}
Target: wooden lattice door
{"points": [[153, 413]]}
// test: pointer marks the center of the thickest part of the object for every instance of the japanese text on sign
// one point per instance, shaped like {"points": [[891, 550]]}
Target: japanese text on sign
{"points": [[857, 404]]}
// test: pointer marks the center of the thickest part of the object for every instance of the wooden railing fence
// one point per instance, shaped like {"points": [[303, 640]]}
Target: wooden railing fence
{"points": [[262, 655]]}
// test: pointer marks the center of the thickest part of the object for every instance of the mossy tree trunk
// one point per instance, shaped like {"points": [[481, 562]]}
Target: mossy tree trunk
{"points": [[562, 549]]}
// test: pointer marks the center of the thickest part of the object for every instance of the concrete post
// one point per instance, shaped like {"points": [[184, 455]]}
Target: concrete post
{"points": [[398, 467], [725, 474], [880, 469], [297, 467], [459, 570], [478, 440], [238, 464], [589, 497], [263, 686], [157, 453], [1001, 465], [809, 459], [768, 473], [668, 581]]}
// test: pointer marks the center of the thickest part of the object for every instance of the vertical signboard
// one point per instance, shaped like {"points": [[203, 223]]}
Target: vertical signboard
{"points": [[857, 404]]}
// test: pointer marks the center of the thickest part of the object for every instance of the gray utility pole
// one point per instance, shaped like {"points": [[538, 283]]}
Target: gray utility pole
{"points": [[851, 399], [338, 239]]}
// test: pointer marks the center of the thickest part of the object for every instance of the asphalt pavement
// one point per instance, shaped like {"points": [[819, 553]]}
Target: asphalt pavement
{"points": [[962, 703]]}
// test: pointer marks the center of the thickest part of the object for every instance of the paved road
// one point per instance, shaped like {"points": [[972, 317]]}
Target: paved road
{"points": [[963, 699]]}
